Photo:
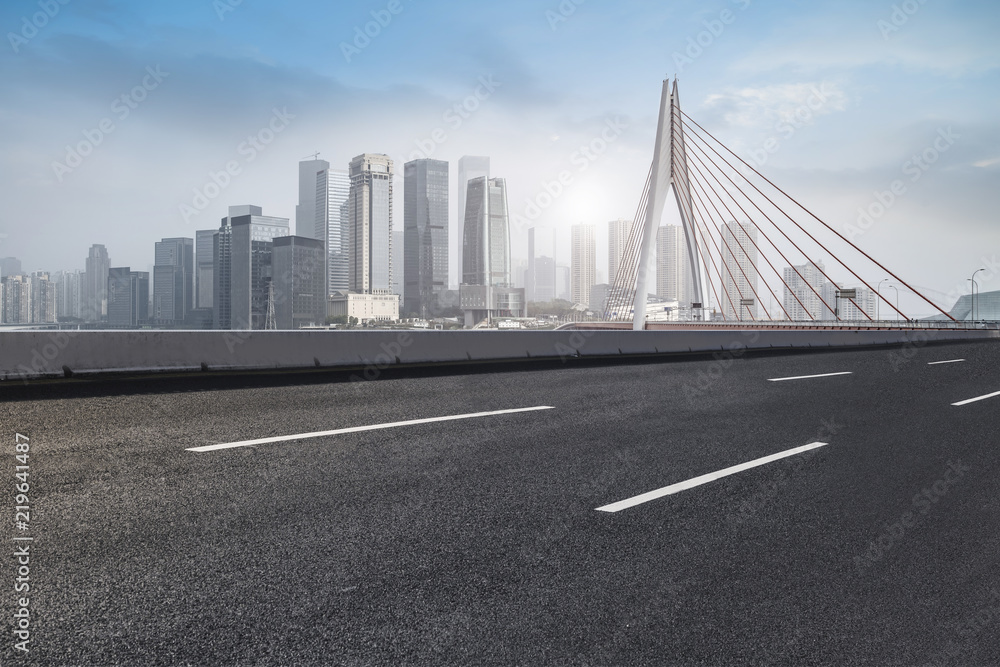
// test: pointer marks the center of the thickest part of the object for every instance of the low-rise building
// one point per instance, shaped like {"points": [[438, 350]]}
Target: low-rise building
{"points": [[381, 306]]}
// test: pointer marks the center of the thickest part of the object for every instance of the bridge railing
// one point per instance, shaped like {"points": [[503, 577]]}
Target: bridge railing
{"points": [[815, 324]]}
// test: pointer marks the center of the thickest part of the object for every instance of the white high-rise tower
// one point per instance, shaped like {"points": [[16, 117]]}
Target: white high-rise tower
{"points": [[322, 214]]}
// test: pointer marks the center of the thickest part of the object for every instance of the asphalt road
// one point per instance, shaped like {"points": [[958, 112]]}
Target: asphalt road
{"points": [[479, 541]]}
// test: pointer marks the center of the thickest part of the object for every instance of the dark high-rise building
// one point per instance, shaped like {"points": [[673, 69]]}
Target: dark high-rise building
{"points": [[425, 234], [222, 264], [486, 241], [128, 297], [242, 266], [95, 285], [299, 282], [397, 262], [486, 290], [173, 280], [469, 167]]}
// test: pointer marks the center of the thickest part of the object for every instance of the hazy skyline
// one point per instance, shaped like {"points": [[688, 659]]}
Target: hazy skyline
{"points": [[525, 83]]}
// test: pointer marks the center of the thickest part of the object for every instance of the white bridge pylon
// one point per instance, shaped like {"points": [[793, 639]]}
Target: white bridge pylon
{"points": [[669, 172]]}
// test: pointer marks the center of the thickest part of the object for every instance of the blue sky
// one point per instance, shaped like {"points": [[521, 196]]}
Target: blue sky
{"points": [[559, 73]]}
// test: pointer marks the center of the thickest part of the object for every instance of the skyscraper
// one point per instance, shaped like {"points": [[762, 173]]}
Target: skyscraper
{"points": [[398, 258], [486, 239], [222, 273], [486, 291], [68, 297], [43, 298], [128, 297], [618, 231], [370, 223], [322, 214], [425, 235], [299, 283], [739, 281], [173, 281], [673, 269], [469, 167], [583, 263], [204, 268], [242, 274], [15, 299], [541, 279], [95, 286]]}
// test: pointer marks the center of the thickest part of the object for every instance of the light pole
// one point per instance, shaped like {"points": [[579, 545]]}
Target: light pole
{"points": [[897, 300], [974, 285], [878, 302]]}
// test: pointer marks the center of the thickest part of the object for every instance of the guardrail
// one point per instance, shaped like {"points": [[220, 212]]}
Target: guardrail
{"points": [[862, 325], [26, 355]]}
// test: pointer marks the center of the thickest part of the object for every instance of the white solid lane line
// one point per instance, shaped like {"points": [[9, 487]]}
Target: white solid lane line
{"points": [[977, 398], [806, 377], [950, 361], [358, 429], [704, 479]]}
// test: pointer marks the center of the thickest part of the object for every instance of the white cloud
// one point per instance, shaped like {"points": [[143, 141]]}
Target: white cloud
{"points": [[767, 106]]}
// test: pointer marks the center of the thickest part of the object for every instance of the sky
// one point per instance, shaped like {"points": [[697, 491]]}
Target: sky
{"points": [[124, 123]]}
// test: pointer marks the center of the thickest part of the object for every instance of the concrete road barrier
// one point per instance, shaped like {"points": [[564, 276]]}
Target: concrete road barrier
{"points": [[39, 354]]}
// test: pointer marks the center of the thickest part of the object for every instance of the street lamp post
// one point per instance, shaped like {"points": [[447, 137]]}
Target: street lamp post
{"points": [[878, 302], [974, 286], [897, 300]]}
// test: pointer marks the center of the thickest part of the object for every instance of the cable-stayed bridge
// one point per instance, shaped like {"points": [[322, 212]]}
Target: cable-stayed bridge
{"points": [[754, 253]]}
